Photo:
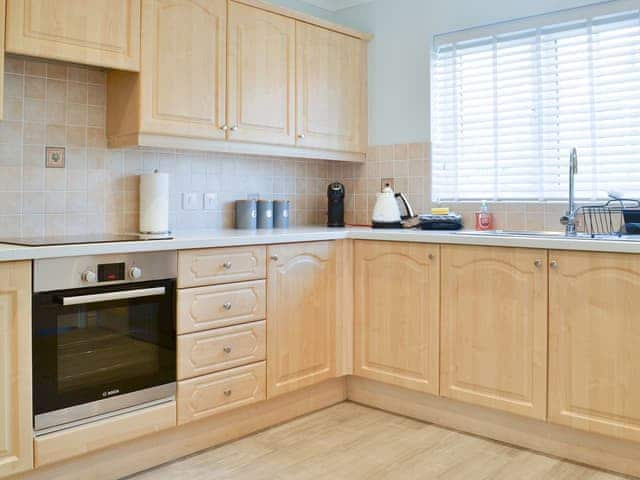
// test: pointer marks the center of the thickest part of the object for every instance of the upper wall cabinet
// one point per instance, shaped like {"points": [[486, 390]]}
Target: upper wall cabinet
{"points": [[104, 33], [331, 89], [180, 90], [242, 76], [261, 88]]}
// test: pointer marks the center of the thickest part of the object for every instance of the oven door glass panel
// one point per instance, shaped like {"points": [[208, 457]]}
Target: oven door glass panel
{"points": [[84, 352]]}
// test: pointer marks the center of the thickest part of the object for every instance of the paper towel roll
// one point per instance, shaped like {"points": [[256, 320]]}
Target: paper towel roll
{"points": [[154, 202]]}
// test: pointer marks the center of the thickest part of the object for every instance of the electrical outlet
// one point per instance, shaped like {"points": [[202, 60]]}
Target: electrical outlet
{"points": [[191, 201], [386, 182], [210, 201]]}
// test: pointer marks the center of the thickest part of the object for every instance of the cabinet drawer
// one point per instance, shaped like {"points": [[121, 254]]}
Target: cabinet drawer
{"points": [[213, 266], [204, 308], [219, 392], [214, 350]]}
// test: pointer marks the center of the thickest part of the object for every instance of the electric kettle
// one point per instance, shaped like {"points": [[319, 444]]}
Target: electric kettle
{"points": [[386, 212]]}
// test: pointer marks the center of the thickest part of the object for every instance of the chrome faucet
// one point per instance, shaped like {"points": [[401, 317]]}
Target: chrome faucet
{"points": [[569, 219]]}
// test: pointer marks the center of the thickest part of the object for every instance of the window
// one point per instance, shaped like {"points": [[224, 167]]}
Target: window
{"points": [[509, 101]]}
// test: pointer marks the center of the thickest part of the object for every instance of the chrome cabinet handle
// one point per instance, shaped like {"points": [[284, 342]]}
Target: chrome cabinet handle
{"points": [[553, 264], [234, 128], [537, 263], [227, 392], [227, 265], [431, 256], [301, 135], [275, 258], [226, 349], [227, 306], [224, 127]]}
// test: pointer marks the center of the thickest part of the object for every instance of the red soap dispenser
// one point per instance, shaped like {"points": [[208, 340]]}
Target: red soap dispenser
{"points": [[484, 219]]}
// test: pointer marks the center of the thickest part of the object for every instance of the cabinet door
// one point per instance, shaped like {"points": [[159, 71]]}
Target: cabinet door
{"points": [[494, 328], [183, 67], [594, 339], [331, 85], [301, 315], [105, 33], [397, 308], [16, 435], [261, 85]]}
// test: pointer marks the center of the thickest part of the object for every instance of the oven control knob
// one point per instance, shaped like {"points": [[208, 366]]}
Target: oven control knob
{"points": [[89, 276], [135, 273]]}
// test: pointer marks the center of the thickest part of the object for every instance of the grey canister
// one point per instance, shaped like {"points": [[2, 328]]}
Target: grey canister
{"points": [[265, 214], [246, 214], [281, 213]]}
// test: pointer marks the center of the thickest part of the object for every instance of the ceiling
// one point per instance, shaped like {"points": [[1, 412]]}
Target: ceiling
{"points": [[335, 5]]}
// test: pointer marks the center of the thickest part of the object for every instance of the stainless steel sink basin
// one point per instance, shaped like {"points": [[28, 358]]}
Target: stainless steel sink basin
{"points": [[547, 234]]}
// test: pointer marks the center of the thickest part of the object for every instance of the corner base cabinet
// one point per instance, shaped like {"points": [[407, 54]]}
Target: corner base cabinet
{"points": [[397, 308], [594, 342], [16, 418], [494, 328], [301, 315]]}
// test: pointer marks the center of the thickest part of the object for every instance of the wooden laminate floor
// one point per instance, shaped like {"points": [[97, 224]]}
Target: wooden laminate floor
{"points": [[349, 441]]}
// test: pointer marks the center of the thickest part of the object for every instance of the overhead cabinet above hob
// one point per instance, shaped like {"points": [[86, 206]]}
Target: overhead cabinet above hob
{"points": [[244, 77]]}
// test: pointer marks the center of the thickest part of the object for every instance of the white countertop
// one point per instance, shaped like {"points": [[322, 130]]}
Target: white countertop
{"points": [[230, 237]]}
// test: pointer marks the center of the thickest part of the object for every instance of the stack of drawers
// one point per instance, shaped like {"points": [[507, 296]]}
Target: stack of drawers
{"points": [[221, 330]]}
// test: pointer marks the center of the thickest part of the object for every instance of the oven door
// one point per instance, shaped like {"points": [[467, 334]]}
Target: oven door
{"points": [[98, 350]]}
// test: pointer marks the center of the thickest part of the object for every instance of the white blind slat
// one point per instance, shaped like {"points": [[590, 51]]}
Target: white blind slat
{"points": [[509, 102]]}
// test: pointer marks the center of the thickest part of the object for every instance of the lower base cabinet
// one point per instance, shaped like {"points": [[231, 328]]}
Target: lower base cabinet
{"points": [[397, 308], [301, 315], [594, 342], [219, 392], [16, 419], [494, 328]]}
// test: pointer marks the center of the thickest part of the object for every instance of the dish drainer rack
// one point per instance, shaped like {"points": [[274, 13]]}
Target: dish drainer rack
{"points": [[607, 218]]}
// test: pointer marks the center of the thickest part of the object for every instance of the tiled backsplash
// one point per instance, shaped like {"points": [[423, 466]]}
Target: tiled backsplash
{"points": [[57, 104], [409, 166]]}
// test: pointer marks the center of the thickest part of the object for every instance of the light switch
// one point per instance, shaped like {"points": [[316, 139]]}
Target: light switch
{"points": [[191, 201], [210, 201]]}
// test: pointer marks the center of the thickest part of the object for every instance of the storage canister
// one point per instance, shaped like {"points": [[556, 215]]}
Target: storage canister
{"points": [[246, 214], [265, 214], [281, 213]]}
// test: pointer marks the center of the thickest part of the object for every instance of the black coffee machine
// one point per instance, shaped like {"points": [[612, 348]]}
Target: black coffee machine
{"points": [[335, 198]]}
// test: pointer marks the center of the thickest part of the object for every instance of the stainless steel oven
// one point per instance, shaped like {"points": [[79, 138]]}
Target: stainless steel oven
{"points": [[104, 338]]}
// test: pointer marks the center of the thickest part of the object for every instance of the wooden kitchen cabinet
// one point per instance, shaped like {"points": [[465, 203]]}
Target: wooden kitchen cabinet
{"points": [[494, 328], [261, 76], [397, 308], [301, 315], [594, 339], [331, 87], [16, 419], [104, 33], [180, 90]]}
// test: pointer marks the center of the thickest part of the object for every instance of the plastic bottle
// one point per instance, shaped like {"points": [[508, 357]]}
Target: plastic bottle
{"points": [[484, 219]]}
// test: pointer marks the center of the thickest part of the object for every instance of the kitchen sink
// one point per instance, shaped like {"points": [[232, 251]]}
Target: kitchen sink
{"points": [[548, 234]]}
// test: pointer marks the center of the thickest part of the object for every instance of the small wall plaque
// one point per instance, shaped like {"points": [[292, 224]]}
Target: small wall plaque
{"points": [[54, 157]]}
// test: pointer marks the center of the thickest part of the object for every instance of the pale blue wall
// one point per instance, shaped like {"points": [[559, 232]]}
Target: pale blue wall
{"points": [[305, 8], [399, 53]]}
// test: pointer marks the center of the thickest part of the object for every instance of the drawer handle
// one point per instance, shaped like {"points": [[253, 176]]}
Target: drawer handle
{"points": [[537, 263], [275, 258], [226, 265], [226, 349], [227, 306], [554, 264], [227, 392]]}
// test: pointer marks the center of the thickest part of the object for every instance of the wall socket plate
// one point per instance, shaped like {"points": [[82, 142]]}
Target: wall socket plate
{"points": [[387, 182], [210, 201], [191, 201]]}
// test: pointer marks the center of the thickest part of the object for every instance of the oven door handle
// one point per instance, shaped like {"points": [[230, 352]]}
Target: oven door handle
{"points": [[106, 297]]}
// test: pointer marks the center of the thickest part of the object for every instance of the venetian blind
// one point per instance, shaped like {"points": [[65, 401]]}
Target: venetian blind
{"points": [[509, 101]]}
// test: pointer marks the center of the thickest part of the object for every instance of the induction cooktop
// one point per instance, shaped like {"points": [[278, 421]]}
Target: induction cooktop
{"points": [[79, 239]]}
